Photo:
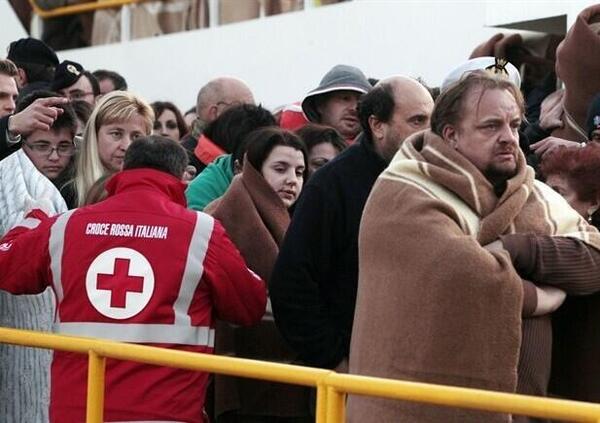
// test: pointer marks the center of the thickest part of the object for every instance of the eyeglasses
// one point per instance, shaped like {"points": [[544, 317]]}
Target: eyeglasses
{"points": [[63, 150]]}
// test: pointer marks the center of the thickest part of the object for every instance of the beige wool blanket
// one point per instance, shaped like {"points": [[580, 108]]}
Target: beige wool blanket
{"points": [[433, 305]]}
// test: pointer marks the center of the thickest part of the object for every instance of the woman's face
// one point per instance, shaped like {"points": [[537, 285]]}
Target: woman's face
{"points": [[114, 139], [166, 125], [561, 184], [320, 155], [283, 170]]}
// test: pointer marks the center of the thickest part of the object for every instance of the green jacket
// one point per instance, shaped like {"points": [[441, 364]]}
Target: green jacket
{"points": [[211, 184]]}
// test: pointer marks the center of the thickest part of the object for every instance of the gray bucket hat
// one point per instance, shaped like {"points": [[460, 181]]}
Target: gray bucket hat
{"points": [[340, 77]]}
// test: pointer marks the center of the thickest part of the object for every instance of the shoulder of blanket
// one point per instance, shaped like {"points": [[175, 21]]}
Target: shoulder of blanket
{"points": [[38, 186], [13, 190], [413, 173], [555, 206], [406, 170], [563, 220], [13, 163], [548, 194]]}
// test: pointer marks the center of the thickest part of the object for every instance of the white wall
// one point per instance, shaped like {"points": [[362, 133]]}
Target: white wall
{"points": [[10, 27], [282, 57], [503, 12]]}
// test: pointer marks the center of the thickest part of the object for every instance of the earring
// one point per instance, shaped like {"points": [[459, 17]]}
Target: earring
{"points": [[590, 212]]}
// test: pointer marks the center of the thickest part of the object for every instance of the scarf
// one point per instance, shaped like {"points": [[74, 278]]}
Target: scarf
{"points": [[451, 309], [255, 219]]}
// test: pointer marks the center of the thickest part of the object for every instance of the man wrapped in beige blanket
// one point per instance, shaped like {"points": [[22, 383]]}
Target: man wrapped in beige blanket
{"points": [[434, 305]]}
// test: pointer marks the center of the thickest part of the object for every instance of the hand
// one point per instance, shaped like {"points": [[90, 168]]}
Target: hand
{"points": [[551, 111], [549, 299], [189, 174], [40, 114], [495, 246], [545, 146]]}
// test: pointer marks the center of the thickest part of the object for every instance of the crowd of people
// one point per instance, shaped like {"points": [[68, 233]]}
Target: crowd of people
{"points": [[377, 226]]}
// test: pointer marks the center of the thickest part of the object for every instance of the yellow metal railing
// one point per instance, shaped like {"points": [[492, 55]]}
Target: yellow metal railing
{"points": [[74, 9], [331, 387]]}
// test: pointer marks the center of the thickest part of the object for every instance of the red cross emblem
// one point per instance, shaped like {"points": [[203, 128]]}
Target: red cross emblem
{"points": [[120, 283]]}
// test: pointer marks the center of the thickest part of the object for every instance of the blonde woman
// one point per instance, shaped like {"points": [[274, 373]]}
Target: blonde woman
{"points": [[119, 118]]}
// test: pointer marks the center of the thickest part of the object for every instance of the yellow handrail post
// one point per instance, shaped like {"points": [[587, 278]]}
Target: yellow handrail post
{"points": [[95, 388], [321, 408], [336, 406], [79, 7]]}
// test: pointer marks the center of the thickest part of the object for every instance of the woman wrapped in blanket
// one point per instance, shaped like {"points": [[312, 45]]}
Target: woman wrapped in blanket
{"points": [[255, 213]]}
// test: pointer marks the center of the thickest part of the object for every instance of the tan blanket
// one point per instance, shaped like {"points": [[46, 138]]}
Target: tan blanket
{"points": [[255, 219], [433, 305]]}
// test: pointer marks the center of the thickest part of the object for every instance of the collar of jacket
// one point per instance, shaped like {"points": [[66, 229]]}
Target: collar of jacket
{"points": [[367, 146], [207, 151], [148, 180]]}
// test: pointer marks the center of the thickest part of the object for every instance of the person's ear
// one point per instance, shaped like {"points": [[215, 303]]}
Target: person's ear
{"points": [[237, 167], [377, 127], [593, 208], [21, 78], [189, 174], [213, 112], [450, 135]]}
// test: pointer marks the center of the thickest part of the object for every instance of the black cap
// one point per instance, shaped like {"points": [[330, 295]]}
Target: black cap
{"points": [[67, 73], [32, 50]]}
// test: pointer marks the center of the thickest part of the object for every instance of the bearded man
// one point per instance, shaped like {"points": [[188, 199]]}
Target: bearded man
{"points": [[439, 299]]}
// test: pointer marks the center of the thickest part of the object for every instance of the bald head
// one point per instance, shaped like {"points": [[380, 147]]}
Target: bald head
{"points": [[396, 108], [220, 94], [406, 89]]}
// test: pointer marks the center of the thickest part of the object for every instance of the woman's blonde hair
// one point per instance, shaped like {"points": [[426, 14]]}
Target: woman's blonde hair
{"points": [[116, 106]]}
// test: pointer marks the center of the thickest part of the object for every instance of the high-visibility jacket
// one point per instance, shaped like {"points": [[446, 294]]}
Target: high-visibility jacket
{"points": [[138, 267]]}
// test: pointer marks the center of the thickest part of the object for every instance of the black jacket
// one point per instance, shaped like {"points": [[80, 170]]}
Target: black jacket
{"points": [[189, 142], [6, 149], [314, 283]]}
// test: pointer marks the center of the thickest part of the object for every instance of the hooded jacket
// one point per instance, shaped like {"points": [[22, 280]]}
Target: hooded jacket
{"points": [[138, 267]]}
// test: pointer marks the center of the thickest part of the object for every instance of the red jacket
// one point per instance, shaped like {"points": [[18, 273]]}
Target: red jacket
{"points": [[138, 267]]}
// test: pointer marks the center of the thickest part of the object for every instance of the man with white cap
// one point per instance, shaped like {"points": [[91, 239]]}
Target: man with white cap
{"points": [[489, 64], [441, 302], [334, 102], [496, 66]]}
